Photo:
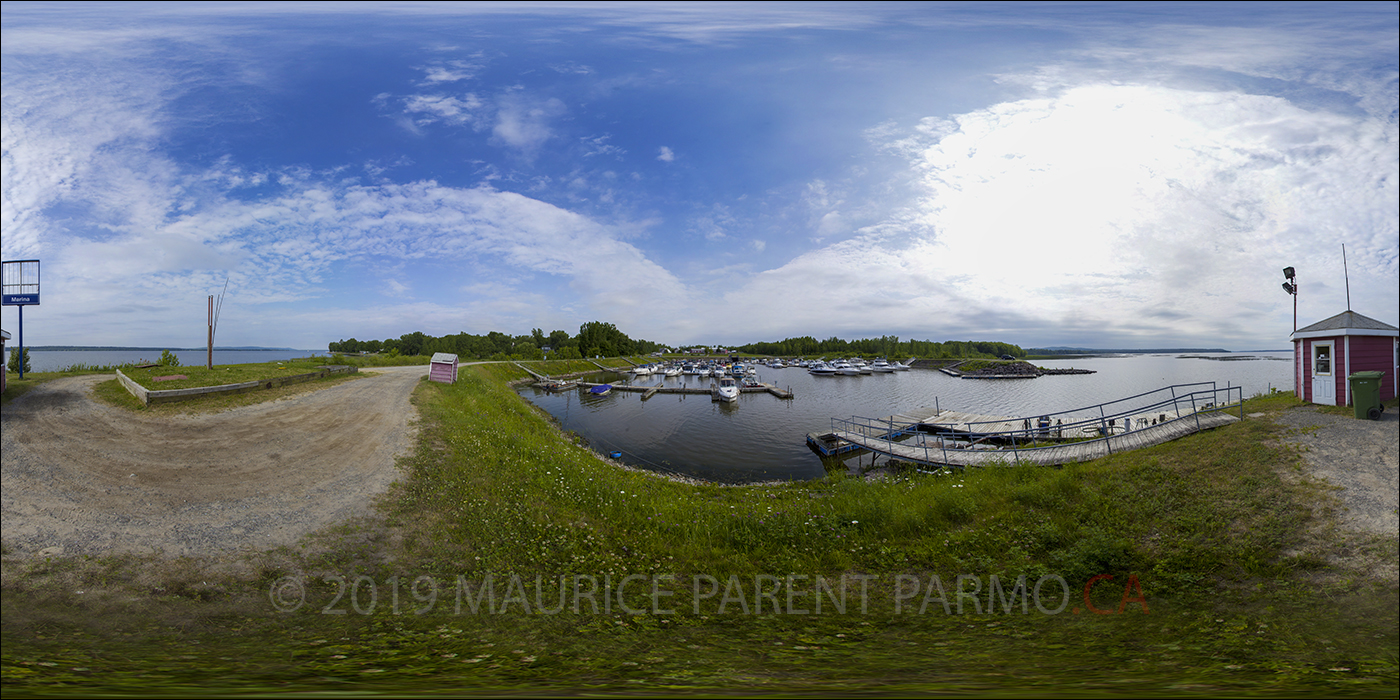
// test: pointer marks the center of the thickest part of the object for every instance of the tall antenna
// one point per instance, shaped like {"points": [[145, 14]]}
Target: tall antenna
{"points": [[1346, 276]]}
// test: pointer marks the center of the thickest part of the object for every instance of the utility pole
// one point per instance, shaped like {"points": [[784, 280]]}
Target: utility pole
{"points": [[214, 324], [209, 349]]}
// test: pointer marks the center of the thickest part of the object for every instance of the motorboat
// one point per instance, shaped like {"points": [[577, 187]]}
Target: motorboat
{"points": [[845, 368], [899, 367], [881, 365], [727, 391], [600, 390], [642, 370], [673, 371], [822, 369]]}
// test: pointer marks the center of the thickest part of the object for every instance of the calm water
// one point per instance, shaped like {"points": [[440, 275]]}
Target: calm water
{"points": [[761, 437], [52, 360]]}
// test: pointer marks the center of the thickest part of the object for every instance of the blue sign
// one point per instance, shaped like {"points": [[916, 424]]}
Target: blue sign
{"points": [[19, 300]]}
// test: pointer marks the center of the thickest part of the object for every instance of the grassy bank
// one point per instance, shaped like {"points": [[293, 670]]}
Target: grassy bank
{"points": [[1239, 584], [200, 376]]}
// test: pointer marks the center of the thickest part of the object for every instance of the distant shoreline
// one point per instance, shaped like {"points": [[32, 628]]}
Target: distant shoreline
{"points": [[123, 348]]}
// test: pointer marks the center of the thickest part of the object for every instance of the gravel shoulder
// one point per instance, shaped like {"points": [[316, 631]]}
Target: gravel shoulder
{"points": [[1361, 457], [82, 477]]}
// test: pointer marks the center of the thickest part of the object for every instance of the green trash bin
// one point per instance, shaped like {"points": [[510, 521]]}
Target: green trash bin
{"points": [[1366, 394]]}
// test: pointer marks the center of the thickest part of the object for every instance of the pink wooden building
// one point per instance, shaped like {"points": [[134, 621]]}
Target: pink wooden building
{"points": [[1329, 351], [4, 357], [443, 367]]}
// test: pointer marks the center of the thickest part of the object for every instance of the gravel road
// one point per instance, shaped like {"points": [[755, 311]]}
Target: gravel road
{"points": [[82, 477], [1360, 456]]}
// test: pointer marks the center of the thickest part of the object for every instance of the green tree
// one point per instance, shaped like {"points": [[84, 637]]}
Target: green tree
{"points": [[168, 359], [15, 356]]}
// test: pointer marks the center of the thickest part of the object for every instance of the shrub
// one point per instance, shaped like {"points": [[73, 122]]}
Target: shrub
{"points": [[15, 356], [168, 359]]}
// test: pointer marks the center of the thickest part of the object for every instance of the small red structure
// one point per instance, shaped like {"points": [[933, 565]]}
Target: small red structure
{"points": [[1327, 352], [443, 368], [4, 357]]}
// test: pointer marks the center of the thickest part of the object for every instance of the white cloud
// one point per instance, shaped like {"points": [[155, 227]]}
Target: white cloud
{"points": [[466, 110], [523, 123], [665, 154], [451, 71], [395, 288], [1164, 214], [599, 146]]}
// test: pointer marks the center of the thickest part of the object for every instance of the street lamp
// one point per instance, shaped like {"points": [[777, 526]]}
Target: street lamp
{"points": [[1291, 286]]}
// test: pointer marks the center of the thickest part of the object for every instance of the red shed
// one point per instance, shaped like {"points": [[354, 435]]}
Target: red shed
{"points": [[4, 357], [1327, 352], [443, 367]]}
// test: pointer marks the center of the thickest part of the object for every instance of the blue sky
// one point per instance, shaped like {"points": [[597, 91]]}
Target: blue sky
{"points": [[1105, 175]]}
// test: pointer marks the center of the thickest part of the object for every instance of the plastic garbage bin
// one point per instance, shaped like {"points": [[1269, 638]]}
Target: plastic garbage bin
{"points": [[1366, 394]]}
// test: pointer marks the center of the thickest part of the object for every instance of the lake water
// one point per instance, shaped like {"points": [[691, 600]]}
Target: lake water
{"points": [[761, 437], [53, 360]]}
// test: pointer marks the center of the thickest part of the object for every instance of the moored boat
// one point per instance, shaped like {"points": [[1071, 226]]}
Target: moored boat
{"points": [[727, 391]]}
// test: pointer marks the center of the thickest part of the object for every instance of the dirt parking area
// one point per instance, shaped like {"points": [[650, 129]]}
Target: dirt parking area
{"points": [[1361, 457], [82, 477]]}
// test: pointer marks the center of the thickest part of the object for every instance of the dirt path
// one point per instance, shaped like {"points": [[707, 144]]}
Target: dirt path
{"points": [[1360, 456], [82, 477]]}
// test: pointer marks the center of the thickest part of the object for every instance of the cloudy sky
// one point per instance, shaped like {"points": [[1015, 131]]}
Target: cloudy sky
{"points": [[1072, 174]]}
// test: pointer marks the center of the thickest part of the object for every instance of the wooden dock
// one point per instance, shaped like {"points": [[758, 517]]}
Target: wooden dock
{"points": [[933, 454]]}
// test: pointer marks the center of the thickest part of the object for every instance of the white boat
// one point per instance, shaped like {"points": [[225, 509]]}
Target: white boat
{"points": [[822, 369], [728, 390], [899, 367], [673, 371], [642, 371], [882, 366]]}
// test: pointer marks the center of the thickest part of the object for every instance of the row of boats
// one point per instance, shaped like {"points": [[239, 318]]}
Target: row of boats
{"points": [[714, 369], [854, 367], [739, 370]]}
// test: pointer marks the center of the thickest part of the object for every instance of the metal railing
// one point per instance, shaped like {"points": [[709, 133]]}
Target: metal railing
{"points": [[1097, 423]]}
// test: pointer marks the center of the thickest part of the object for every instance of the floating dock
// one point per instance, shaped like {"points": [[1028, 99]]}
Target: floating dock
{"points": [[922, 453], [921, 435]]}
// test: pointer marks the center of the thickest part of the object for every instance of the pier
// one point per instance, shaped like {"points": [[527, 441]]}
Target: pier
{"points": [[949, 438]]}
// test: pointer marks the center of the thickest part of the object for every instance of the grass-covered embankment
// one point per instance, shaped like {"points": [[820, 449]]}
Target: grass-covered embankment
{"points": [[219, 375], [1237, 592]]}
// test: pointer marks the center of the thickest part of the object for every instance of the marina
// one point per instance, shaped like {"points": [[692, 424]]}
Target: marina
{"points": [[758, 438]]}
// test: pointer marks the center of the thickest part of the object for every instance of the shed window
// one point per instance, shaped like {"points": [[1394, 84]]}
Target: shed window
{"points": [[1322, 359]]}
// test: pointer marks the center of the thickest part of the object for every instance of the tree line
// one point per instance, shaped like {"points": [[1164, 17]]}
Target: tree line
{"points": [[885, 346], [593, 338]]}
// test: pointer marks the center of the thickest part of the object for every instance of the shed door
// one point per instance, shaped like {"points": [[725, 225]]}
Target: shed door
{"points": [[1324, 384]]}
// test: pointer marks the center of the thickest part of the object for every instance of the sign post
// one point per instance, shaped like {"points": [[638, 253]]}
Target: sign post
{"points": [[19, 286]]}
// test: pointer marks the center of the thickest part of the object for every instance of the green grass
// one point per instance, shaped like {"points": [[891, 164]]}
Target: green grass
{"points": [[1238, 593], [200, 376], [113, 393]]}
